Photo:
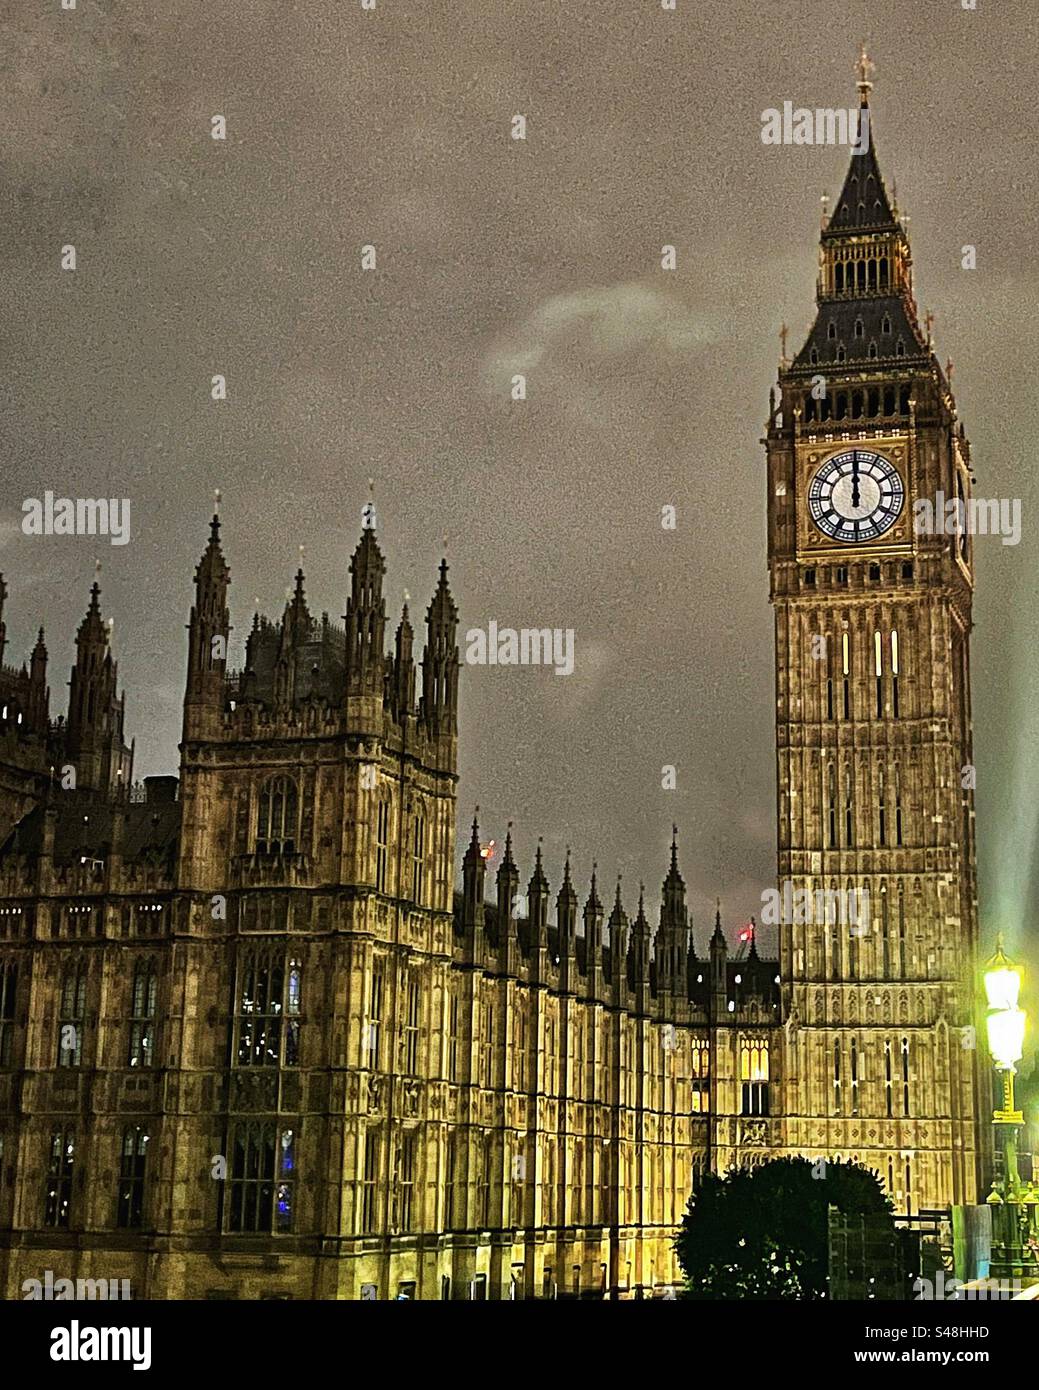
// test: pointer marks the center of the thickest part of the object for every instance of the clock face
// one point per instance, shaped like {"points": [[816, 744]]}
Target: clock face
{"points": [[856, 496]]}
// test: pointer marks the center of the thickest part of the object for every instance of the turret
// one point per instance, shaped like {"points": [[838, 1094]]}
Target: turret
{"points": [[719, 959], [94, 742], [403, 692], [673, 934], [365, 619], [39, 692], [474, 870], [537, 909], [618, 927], [566, 926], [638, 946], [209, 629], [593, 917], [440, 661], [507, 883]]}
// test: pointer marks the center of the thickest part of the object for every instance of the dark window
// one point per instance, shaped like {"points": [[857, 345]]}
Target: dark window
{"points": [[8, 994], [276, 823], [382, 842], [369, 1208], [874, 572], [810, 576], [142, 1016], [70, 1020], [60, 1168], [269, 1003], [262, 1177], [131, 1178]]}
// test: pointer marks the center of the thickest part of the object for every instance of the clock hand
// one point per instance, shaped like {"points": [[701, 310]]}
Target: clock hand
{"points": [[855, 479]]}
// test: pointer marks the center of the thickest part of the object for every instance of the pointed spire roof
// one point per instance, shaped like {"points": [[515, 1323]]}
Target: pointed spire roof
{"points": [[538, 882], [863, 204], [718, 936], [566, 888], [366, 564], [674, 878], [640, 923], [475, 849], [593, 904], [92, 629], [442, 610]]}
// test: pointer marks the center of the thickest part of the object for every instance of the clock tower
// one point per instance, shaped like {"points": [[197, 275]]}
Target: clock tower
{"points": [[876, 857]]}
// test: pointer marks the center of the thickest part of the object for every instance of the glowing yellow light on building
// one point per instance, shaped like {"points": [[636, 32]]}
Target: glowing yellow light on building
{"points": [[894, 653], [1005, 1022], [876, 652], [844, 652]]}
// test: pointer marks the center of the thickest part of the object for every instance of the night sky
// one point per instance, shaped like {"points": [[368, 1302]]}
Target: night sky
{"points": [[645, 388]]}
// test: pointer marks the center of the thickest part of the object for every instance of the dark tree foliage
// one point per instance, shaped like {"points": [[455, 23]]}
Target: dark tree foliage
{"points": [[762, 1232]]}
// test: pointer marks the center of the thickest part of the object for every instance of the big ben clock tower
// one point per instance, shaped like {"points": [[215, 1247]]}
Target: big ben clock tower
{"points": [[873, 724]]}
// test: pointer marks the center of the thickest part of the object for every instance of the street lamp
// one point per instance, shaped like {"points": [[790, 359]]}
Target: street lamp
{"points": [[1013, 1202]]}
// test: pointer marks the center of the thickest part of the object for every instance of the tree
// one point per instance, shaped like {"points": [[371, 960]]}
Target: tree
{"points": [[762, 1232]]}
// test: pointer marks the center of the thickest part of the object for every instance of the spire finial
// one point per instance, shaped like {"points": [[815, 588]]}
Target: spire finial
{"points": [[216, 501], [783, 332], [865, 69], [368, 510]]}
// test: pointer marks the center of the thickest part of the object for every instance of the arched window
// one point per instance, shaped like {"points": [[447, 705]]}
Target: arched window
{"points": [[8, 995], [754, 1076], [831, 330], [142, 1015], [905, 1077], [382, 843], [71, 1016], [268, 1001], [133, 1158], [277, 822], [854, 1077], [418, 859], [859, 328], [263, 1163]]}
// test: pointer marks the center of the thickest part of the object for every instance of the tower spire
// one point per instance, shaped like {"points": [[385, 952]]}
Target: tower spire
{"points": [[864, 69]]}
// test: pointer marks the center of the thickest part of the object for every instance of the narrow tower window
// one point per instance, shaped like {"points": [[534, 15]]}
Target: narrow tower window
{"points": [[854, 1077], [846, 664], [382, 841], [905, 1077], [887, 1076], [878, 664]]}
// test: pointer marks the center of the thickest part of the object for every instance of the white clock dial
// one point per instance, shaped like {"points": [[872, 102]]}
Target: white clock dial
{"points": [[856, 496]]}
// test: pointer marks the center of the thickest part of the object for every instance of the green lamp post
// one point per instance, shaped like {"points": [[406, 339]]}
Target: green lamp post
{"points": [[1013, 1202]]}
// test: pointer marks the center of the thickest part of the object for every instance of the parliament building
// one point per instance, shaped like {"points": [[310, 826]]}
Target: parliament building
{"points": [[256, 1042]]}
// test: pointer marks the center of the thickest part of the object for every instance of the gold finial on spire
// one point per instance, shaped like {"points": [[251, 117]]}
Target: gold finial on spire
{"points": [[97, 571], [865, 69], [216, 501], [825, 203], [929, 324], [783, 332]]}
